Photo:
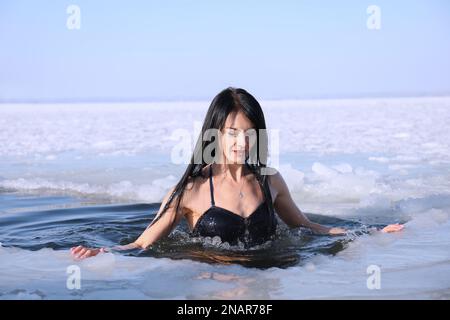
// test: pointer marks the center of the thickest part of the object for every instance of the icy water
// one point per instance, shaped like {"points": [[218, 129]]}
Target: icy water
{"points": [[95, 175], [35, 222]]}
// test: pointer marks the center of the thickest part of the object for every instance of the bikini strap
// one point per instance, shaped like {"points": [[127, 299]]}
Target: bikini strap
{"points": [[211, 187]]}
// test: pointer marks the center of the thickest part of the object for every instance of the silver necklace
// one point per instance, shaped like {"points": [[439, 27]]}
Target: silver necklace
{"points": [[241, 195]]}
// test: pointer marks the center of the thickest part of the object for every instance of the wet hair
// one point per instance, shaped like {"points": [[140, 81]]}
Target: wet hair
{"points": [[227, 101]]}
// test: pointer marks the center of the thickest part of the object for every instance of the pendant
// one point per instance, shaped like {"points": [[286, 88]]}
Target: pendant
{"points": [[241, 195]]}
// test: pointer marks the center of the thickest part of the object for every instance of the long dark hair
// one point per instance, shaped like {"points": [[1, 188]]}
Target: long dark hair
{"points": [[227, 101]]}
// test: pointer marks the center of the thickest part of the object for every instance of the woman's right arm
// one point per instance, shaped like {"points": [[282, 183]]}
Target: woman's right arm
{"points": [[153, 233]]}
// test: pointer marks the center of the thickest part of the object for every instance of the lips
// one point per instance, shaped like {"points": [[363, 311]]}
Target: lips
{"points": [[238, 153]]}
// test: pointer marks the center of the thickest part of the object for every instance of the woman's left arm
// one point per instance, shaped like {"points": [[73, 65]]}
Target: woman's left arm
{"points": [[289, 212]]}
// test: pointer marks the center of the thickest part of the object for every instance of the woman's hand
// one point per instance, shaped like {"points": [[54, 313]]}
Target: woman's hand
{"points": [[337, 231], [324, 230], [81, 252], [392, 228]]}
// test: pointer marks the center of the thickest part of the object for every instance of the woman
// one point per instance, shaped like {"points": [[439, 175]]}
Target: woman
{"points": [[227, 190]]}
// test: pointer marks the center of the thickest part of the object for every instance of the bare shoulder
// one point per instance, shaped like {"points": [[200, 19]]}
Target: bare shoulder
{"points": [[194, 183], [276, 183], [194, 186], [276, 179]]}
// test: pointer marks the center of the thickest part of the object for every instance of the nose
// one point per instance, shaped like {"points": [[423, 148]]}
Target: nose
{"points": [[240, 140]]}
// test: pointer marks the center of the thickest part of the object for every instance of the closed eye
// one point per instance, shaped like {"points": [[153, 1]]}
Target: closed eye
{"points": [[235, 132]]}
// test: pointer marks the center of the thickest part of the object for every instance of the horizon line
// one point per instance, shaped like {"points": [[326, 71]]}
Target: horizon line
{"points": [[198, 99]]}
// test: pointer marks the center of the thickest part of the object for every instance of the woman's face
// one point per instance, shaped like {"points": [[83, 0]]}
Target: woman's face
{"points": [[237, 137]]}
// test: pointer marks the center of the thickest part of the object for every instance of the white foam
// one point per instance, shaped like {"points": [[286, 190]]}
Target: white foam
{"points": [[293, 178], [122, 190], [346, 185], [404, 273]]}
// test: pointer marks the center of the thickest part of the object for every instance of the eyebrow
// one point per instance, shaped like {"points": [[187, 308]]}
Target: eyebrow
{"points": [[237, 129]]}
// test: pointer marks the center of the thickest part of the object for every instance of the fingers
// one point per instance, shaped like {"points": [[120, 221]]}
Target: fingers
{"points": [[86, 254], [81, 252], [75, 250], [393, 228], [337, 231], [398, 227]]}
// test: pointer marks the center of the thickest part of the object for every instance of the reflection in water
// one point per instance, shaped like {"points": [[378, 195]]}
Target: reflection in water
{"points": [[242, 284], [248, 286]]}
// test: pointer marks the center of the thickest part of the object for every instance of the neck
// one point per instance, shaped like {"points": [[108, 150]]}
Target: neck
{"points": [[233, 171]]}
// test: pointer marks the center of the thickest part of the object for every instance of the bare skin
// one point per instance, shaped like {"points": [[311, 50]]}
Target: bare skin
{"points": [[229, 176]]}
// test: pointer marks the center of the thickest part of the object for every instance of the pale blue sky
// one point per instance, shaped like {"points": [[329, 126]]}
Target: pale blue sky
{"points": [[166, 50]]}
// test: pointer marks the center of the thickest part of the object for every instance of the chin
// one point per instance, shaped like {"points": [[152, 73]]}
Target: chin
{"points": [[239, 161]]}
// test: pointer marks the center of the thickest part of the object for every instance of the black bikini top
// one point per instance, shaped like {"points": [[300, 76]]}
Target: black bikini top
{"points": [[256, 229]]}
